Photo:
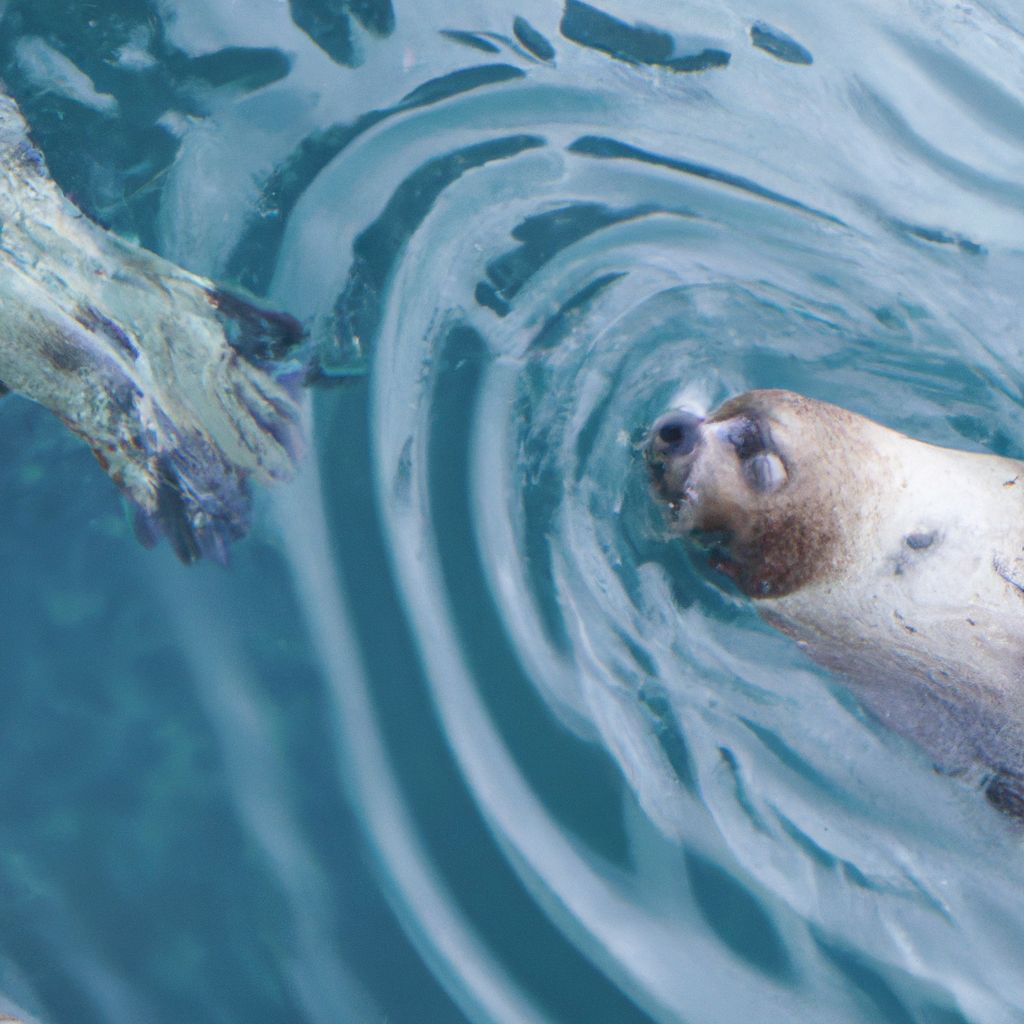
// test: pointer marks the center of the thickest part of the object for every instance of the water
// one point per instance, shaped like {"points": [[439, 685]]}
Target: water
{"points": [[461, 734]]}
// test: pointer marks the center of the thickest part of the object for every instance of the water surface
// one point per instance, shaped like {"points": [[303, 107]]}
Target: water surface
{"points": [[462, 734]]}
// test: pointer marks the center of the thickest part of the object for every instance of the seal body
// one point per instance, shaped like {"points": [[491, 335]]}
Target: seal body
{"points": [[163, 374], [894, 562]]}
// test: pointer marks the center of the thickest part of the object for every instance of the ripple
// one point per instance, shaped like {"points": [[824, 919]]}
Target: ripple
{"points": [[572, 291], [518, 237]]}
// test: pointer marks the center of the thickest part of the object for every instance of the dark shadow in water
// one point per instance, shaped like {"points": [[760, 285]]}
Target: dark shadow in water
{"points": [[559, 325], [778, 44], [245, 68], [535, 42], [740, 789], [635, 44], [791, 759], [736, 916], [988, 102], [471, 39], [878, 993], [938, 236], [329, 24], [666, 728], [611, 149], [541, 238], [824, 858]]}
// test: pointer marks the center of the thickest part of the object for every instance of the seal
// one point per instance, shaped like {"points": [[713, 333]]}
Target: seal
{"points": [[167, 377], [897, 563]]}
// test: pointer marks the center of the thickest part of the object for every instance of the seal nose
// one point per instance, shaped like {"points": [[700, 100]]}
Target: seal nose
{"points": [[675, 434]]}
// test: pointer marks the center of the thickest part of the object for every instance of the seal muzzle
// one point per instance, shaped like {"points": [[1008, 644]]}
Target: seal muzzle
{"points": [[673, 440]]}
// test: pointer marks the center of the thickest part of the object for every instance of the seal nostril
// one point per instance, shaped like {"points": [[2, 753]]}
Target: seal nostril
{"points": [[676, 433]]}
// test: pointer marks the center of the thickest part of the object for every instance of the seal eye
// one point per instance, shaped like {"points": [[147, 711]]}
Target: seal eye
{"points": [[747, 438], [760, 463], [765, 472]]}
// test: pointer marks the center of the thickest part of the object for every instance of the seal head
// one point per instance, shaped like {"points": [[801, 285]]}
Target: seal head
{"points": [[739, 475]]}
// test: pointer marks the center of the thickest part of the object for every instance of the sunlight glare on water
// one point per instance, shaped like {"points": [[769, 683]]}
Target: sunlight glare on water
{"points": [[463, 734]]}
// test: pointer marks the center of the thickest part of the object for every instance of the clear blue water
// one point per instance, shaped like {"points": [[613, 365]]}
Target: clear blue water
{"points": [[461, 735]]}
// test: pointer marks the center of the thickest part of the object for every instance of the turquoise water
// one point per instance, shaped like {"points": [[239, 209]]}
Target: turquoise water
{"points": [[461, 734]]}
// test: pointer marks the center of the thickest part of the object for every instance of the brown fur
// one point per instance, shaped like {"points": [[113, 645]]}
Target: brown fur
{"points": [[786, 550], [783, 541]]}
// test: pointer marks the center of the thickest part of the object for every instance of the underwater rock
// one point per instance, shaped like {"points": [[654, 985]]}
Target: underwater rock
{"points": [[167, 377]]}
